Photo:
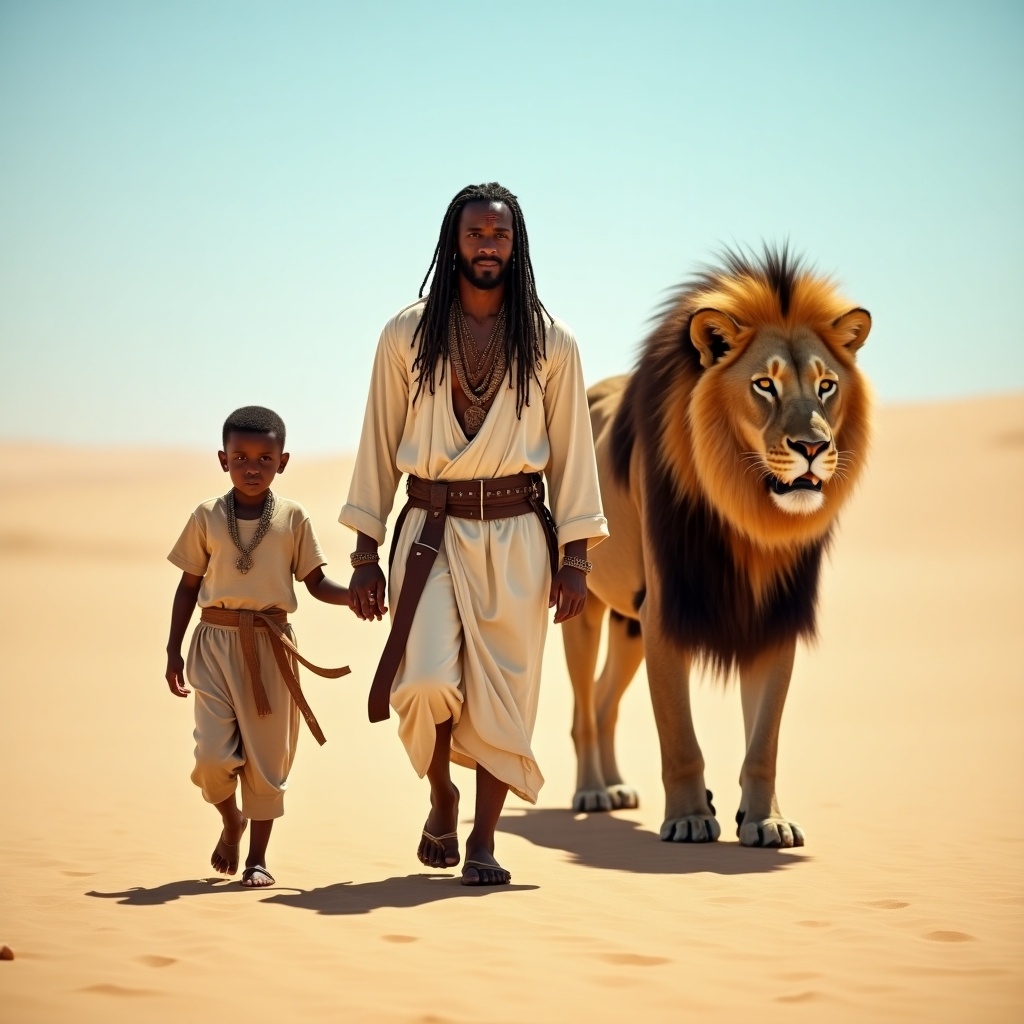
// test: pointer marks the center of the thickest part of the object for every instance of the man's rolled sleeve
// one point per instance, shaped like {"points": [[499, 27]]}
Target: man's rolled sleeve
{"points": [[362, 521]]}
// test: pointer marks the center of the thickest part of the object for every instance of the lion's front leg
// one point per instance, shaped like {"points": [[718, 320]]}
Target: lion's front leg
{"points": [[764, 683], [689, 816]]}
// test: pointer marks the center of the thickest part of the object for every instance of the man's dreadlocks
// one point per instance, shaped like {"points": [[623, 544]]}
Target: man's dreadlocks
{"points": [[524, 312]]}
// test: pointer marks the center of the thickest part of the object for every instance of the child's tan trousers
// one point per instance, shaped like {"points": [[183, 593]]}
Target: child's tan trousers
{"points": [[232, 741]]}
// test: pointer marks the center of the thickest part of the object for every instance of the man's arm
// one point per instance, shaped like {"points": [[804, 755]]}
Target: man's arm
{"points": [[571, 474], [184, 605], [376, 474]]}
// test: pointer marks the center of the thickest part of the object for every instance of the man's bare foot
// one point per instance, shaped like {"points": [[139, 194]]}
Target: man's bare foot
{"points": [[225, 853], [439, 844], [483, 869], [256, 877]]}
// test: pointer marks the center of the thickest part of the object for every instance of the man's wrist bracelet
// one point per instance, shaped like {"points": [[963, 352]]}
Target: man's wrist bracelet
{"points": [[358, 558], [576, 562]]}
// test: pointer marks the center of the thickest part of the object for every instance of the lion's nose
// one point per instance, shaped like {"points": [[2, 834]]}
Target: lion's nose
{"points": [[808, 449]]}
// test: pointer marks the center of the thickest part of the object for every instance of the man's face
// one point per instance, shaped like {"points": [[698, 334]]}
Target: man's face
{"points": [[485, 243]]}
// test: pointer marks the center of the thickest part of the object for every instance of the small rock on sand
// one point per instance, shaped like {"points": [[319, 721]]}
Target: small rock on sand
{"points": [[6, 953]]}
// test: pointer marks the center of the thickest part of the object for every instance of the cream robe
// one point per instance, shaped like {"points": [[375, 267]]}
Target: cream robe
{"points": [[477, 640]]}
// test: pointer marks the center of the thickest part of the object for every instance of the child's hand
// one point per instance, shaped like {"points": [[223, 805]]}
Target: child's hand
{"points": [[175, 675]]}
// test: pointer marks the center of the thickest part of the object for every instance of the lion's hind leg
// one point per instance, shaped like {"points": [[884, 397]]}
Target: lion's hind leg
{"points": [[625, 652], [764, 683], [581, 637]]}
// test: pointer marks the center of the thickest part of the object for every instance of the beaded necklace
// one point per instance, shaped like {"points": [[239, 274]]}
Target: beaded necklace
{"points": [[244, 561], [479, 373]]}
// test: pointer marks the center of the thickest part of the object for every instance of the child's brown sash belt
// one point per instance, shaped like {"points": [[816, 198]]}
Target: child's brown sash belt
{"points": [[248, 622], [500, 498]]}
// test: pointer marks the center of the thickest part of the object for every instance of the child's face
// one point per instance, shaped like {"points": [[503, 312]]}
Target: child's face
{"points": [[253, 460]]}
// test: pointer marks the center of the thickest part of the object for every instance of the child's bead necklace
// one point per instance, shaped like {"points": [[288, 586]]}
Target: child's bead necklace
{"points": [[244, 561]]}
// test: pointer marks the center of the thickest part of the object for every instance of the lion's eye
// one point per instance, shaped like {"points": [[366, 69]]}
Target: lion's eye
{"points": [[765, 385], [826, 387]]}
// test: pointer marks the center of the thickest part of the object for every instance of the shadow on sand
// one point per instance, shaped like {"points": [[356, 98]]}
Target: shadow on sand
{"points": [[592, 840], [137, 896], [401, 891], [616, 844]]}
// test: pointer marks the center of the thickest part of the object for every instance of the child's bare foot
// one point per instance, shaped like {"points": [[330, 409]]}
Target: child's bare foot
{"points": [[225, 853], [483, 869], [257, 877], [439, 844]]}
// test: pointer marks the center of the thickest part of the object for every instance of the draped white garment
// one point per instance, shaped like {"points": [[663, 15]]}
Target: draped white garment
{"points": [[478, 636]]}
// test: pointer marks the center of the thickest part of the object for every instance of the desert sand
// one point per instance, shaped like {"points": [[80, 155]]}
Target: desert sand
{"points": [[902, 757]]}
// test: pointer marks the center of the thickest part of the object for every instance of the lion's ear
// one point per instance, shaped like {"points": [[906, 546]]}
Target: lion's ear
{"points": [[712, 334], [852, 329]]}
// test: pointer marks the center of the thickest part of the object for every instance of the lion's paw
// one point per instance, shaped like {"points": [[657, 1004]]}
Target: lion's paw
{"points": [[587, 800], [774, 832], [623, 797], [694, 828]]}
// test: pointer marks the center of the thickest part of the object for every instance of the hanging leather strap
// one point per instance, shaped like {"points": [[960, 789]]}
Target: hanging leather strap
{"points": [[247, 623], [498, 498]]}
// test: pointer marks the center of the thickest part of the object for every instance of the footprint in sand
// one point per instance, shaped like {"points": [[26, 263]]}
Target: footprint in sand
{"points": [[948, 936], [634, 959], [119, 990], [152, 960], [399, 938], [799, 997]]}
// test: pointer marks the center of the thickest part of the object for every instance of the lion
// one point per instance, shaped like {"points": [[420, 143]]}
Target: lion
{"points": [[724, 460]]}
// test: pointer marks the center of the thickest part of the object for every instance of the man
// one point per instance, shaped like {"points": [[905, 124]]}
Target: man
{"points": [[476, 390]]}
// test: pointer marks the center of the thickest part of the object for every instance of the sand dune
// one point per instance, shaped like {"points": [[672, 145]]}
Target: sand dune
{"points": [[902, 757]]}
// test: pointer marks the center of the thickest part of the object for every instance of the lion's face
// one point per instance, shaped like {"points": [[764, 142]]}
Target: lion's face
{"points": [[788, 395], [778, 422]]}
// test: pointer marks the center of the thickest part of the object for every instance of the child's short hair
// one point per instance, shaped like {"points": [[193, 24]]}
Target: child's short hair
{"points": [[253, 419]]}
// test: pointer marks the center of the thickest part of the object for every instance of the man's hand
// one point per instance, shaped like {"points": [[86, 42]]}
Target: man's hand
{"points": [[366, 592], [568, 593], [175, 675]]}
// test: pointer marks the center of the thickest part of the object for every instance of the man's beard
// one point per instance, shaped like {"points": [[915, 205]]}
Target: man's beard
{"points": [[494, 279]]}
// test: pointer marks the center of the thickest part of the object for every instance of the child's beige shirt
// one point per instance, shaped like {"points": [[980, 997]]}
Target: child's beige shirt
{"points": [[289, 551]]}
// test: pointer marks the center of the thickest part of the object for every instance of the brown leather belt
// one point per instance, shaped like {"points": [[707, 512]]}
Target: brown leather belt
{"points": [[273, 621], [499, 498]]}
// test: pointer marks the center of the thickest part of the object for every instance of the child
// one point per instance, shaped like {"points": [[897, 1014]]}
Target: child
{"points": [[238, 555]]}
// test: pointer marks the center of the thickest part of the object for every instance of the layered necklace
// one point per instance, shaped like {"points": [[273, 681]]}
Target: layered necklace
{"points": [[244, 561], [479, 373]]}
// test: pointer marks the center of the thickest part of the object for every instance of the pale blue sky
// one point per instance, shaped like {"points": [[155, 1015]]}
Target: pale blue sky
{"points": [[207, 204]]}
